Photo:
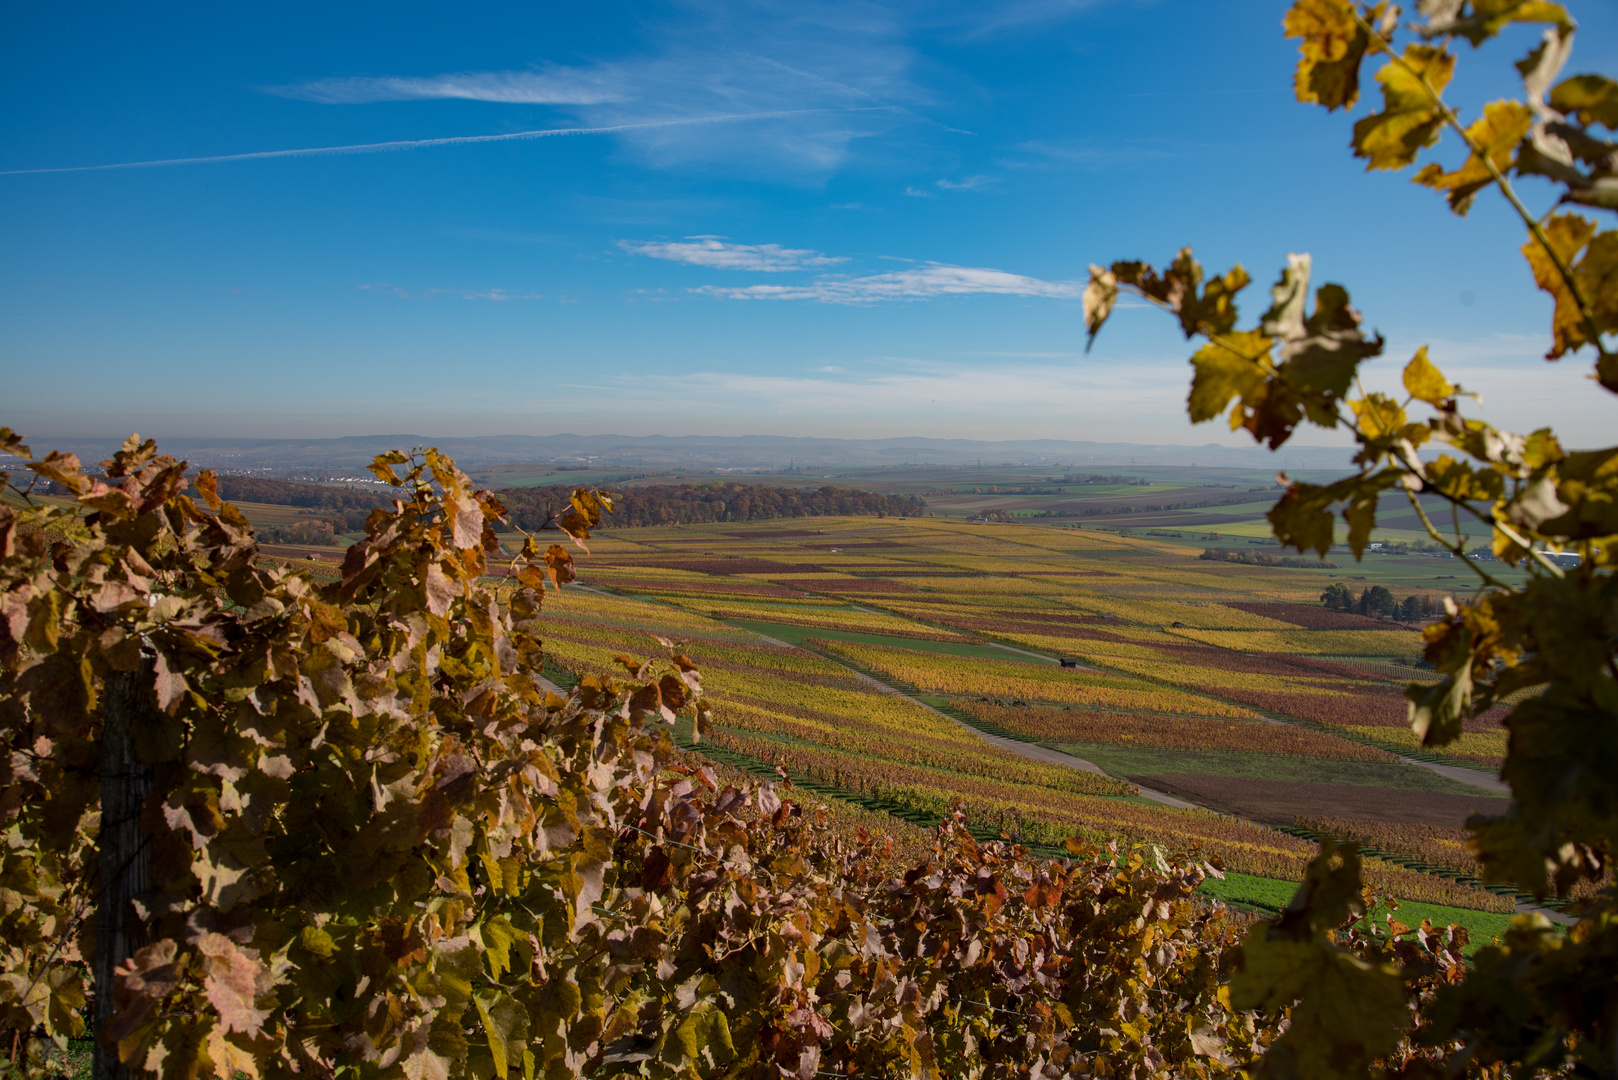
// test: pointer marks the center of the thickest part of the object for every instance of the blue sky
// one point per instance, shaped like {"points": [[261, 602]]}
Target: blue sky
{"points": [[842, 219]]}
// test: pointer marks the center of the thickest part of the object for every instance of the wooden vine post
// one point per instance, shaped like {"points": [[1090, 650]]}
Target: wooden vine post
{"points": [[126, 782]]}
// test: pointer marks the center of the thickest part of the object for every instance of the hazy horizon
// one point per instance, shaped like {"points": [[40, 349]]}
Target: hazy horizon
{"points": [[810, 219]]}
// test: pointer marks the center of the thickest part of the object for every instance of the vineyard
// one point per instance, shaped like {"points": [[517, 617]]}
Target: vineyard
{"points": [[884, 622]]}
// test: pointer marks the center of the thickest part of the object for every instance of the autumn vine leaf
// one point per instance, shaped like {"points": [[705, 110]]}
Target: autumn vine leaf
{"points": [[1545, 650]]}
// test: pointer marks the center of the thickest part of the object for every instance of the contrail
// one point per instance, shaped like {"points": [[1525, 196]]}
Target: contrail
{"points": [[413, 144]]}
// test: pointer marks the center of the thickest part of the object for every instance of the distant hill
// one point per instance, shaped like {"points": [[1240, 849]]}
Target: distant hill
{"points": [[765, 453]]}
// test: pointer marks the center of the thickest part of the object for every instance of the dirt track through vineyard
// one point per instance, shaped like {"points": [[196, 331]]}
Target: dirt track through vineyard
{"points": [[1027, 750]]}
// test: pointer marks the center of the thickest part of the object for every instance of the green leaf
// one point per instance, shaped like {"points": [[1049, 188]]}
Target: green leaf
{"points": [[1344, 1011], [1231, 367], [1410, 119], [1301, 518], [505, 1027], [1588, 99], [498, 936], [1597, 277], [1438, 711]]}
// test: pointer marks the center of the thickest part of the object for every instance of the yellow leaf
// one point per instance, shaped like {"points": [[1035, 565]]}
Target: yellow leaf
{"points": [[1567, 234], [317, 941], [207, 482], [1424, 382], [1099, 297], [1496, 135], [1378, 415], [1333, 46], [559, 564], [1409, 119], [381, 466], [228, 1058]]}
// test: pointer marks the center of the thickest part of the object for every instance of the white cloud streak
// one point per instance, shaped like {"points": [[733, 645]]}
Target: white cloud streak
{"points": [[416, 144], [921, 283], [851, 62], [712, 252], [552, 86]]}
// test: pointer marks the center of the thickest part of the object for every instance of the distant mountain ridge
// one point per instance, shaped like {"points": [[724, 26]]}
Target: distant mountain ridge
{"points": [[761, 452]]}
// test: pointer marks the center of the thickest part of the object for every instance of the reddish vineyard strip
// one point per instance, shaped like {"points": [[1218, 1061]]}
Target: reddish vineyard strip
{"points": [[1280, 802], [1432, 844], [843, 586], [1171, 732], [1313, 616]]}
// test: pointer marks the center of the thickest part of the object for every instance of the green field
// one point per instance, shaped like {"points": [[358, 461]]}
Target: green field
{"points": [[1268, 896]]}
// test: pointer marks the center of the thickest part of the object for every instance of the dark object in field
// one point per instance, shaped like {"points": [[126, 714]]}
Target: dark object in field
{"points": [[1280, 802], [1069, 661]]}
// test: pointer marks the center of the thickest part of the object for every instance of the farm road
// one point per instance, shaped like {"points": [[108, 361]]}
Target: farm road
{"points": [[1021, 749], [1465, 776], [1041, 753]]}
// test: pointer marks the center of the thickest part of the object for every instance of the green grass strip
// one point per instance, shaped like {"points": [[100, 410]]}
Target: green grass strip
{"points": [[1267, 896]]}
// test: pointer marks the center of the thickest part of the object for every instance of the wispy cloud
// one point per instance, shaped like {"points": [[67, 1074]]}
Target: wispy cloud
{"points": [[1017, 15], [1077, 153], [401, 144], [549, 86], [970, 183], [715, 252], [921, 283], [843, 71]]}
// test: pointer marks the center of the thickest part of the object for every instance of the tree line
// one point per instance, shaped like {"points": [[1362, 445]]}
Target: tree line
{"points": [[695, 504], [1378, 600], [1259, 558]]}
